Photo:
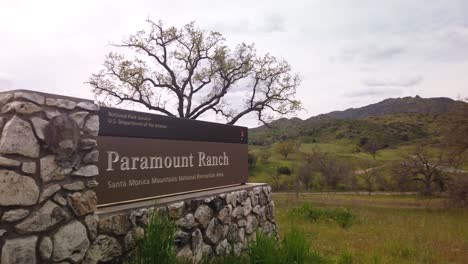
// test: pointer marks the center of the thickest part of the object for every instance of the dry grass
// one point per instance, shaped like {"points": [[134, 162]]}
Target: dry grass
{"points": [[390, 229]]}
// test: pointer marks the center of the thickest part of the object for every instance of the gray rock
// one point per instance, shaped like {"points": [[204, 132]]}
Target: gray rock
{"points": [[199, 248], [60, 200], [238, 247], [63, 136], [14, 215], [269, 228], [233, 234], [223, 248], [252, 224], [24, 108], [19, 251], [92, 125], [87, 171], [29, 167], [262, 199], [88, 106], [187, 222], [184, 254], [217, 204], [79, 118], [181, 238], [88, 143], [242, 222], [232, 198], [45, 248], [215, 230], [82, 203], [132, 237], [257, 190], [43, 219], [261, 214], [51, 171], [204, 214], [242, 196], [2, 232], [253, 199], [115, 224], [51, 113], [224, 214], [247, 208], [61, 103], [238, 212], [5, 162], [91, 157], [49, 191], [242, 235], [18, 138], [103, 249], [16, 189], [74, 186], [39, 125], [70, 242], [91, 222], [4, 98], [33, 97], [176, 210]]}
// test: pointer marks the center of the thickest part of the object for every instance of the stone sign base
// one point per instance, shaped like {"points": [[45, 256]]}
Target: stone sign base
{"points": [[210, 223]]}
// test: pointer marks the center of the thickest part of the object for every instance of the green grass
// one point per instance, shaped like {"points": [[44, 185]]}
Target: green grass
{"points": [[389, 229]]}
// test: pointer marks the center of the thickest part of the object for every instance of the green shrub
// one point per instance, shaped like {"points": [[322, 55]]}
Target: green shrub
{"points": [[263, 250], [343, 217], [156, 247]]}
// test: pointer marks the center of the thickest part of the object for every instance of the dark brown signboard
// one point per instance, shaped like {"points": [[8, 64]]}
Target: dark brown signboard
{"points": [[144, 156]]}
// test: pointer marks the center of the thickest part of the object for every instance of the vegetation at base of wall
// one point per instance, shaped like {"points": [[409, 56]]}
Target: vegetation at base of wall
{"points": [[156, 247], [295, 248], [342, 216]]}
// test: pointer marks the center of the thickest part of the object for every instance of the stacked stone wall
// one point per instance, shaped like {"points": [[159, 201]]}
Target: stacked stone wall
{"points": [[48, 206], [47, 174]]}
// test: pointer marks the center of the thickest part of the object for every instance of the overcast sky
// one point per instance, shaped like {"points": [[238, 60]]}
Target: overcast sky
{"points": [[348, 53]]}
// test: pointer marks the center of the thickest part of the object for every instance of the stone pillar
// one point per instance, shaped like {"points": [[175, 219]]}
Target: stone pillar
{"points": [[47, 174]]}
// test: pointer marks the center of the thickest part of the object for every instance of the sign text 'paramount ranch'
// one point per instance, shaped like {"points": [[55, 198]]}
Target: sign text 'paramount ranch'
{"points": [[145, 156]]}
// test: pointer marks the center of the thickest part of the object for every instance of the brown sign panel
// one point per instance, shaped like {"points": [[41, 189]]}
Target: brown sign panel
{"points": [[132, 169]]}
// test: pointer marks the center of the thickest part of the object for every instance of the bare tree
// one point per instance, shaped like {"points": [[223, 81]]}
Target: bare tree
{"points": [[426, 167], [187, 72], [332, 169]]}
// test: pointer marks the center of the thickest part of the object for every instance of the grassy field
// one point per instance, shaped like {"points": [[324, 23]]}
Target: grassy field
{"points": [[388, 228]]}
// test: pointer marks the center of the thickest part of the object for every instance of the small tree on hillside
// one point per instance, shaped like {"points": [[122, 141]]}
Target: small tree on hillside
{"points": [[187, 72], [285, 148], [369, 176]]}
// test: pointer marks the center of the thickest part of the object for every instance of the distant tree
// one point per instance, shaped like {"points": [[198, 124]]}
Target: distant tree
{"points": [[304, 175], [264, 155], [252, 160], [428, 168], [332, 169], [187, 72], [372, 145], [285, 148]]}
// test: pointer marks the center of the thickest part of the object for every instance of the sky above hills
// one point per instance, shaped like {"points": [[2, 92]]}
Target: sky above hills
{"points": [[348, 53]]}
